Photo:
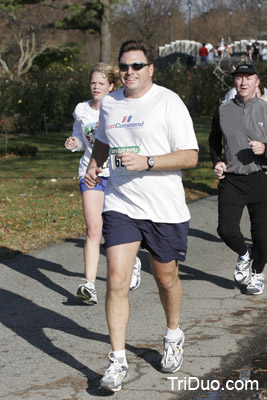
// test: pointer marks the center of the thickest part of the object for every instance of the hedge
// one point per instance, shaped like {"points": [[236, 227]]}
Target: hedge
{"points": [[46, 98]]}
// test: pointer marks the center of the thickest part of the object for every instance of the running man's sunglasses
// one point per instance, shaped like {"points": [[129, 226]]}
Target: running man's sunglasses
{"points": [[135, 66]]}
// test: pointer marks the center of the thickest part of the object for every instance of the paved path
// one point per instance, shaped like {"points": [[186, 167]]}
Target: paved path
{"points": [[54, 348]]}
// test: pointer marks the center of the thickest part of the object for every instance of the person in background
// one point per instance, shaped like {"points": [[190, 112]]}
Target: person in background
{"points": [[221, 48], [210, 57], [249, 48], [229, 47], [239, 126], [264, 53], [103, 79], [203, 52], [256, 51]]}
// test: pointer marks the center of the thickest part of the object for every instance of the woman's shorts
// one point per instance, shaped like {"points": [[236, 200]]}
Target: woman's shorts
{"points": [[100, 186]]}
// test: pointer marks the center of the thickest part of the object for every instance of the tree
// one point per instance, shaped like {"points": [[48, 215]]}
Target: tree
{"points": [[23, 38], [154, 21], [91, 17], [105, 35]]}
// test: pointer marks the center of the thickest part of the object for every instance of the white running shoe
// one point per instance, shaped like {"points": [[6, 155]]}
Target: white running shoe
{"points": [[256, 284], [136, 275], [114, 376], [242, 272], [173, 354], [87, 292]]}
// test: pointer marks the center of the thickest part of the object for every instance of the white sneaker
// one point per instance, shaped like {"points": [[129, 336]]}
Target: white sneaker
{"points": [[87, 292], [114, 375], [173, 354], [242, 272], [136, 275], [256, 284]]}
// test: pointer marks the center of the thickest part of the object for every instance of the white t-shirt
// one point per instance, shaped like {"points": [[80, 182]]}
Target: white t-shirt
{"points": [[154, 124], [264, 54], [230, 94], [86, 121]]}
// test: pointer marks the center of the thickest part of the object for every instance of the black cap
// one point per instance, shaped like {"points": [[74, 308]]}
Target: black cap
{"points": [[249, 69]]}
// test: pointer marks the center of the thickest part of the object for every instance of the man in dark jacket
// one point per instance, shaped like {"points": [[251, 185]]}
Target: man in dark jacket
{"points": [[239, 127]]}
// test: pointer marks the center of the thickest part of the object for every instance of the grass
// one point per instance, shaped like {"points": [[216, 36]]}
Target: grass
{"points": [[40, 201], [201, 182]]}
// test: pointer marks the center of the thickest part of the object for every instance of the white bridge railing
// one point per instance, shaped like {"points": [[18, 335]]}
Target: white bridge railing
{"points": [[180, 46], [191, 47]]}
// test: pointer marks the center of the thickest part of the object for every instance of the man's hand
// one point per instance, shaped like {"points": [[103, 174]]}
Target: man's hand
{"points": [[91, 178], [71, 143], [133, 161], [258, 148], [220, 169]]}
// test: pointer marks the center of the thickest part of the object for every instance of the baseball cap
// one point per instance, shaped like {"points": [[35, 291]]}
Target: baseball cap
{"points": [[249, 69]]}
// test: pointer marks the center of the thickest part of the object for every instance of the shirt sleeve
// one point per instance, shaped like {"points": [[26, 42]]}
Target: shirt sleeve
{"points": [[101, 132], [77, 132], [215, 139], [180, 126]]}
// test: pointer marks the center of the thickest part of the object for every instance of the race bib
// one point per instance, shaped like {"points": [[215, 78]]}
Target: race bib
{"points": [[117, 166]]}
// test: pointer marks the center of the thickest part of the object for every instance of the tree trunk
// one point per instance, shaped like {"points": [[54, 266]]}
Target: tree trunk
{"points": [[105, 33], [6, 143]]}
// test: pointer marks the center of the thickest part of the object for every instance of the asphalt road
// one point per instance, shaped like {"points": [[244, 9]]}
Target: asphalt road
{"points": [[55, 348]]}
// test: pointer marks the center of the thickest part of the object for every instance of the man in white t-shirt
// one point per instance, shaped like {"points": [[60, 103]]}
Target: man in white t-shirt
{"points": [[148, 134]]}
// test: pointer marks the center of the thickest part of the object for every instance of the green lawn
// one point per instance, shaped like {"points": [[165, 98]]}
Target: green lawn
{"points": [[40, 198], [200, 182], [40, 201]]}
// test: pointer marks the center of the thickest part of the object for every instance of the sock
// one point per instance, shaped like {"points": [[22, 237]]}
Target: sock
{"points": [[246, 256], [90, 284], [173, 333], [121, 357]]}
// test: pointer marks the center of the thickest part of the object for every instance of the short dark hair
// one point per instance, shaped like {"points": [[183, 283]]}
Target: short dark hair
{"points": [[130, 45]]}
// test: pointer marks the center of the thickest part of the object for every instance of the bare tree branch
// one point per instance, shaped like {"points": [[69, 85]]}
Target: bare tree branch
{"points": [[5, 67]]}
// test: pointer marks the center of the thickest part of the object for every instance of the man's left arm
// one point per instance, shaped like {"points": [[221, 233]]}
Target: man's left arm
{"points": [[182, 142], [179, 159]]}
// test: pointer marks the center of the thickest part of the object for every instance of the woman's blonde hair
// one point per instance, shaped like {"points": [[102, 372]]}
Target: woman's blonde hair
{"points": [[111, 72]]}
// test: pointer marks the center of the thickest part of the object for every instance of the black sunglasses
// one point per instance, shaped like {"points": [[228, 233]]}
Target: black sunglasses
{"points": [[135, 66]]}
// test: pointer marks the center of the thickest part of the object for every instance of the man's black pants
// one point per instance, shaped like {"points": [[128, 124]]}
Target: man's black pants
{"points": [[236, 192]]}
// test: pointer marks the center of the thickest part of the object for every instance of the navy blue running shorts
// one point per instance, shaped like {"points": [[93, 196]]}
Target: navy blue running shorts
{"points": [[100, 186], [165, 242]]}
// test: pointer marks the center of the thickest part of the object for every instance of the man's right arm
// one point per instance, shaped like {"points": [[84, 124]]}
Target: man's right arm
{"points": [[215, 145], [99, 155], [215, 139]]}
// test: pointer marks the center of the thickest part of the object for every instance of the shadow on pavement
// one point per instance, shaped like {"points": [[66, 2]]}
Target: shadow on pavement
{"points": [[31, 266], [29, 320], [203, 235], [189, 273]]}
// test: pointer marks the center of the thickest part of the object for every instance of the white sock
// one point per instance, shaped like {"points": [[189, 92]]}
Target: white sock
{"points": [[90, 284], [121, 356], [173, 333], [246, 256]]}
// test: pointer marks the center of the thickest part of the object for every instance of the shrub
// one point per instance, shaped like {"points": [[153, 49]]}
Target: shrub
{"points": [[23, 149], [51, 93], [198, 87]]}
